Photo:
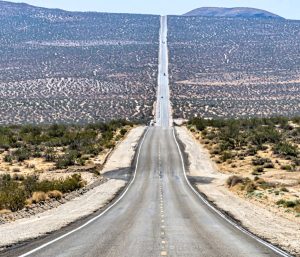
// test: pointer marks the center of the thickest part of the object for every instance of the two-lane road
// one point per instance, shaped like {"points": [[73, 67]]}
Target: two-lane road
{"points": [[160, 214], [163, 107]]}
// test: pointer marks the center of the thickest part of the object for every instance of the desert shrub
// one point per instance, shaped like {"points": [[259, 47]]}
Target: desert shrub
{"points": [[287, 167], [297, 208], [226, 155], [12, 196], [280, 202], [296, 162], [57, 130], [18, 177], [284, 189], [288, 203], [228, 144], [269, 165], [234, 180], [64, 162], [211, 135], [251, 151], [286, 149], [70, 184], [246, 184], [31, 129], [258, 171], [67, 185], [263, 135], [37, 153], [16, 170], [21, 154], [123, 131], [7, 138], [30, 185], [49, 155], [250, 187], [80, 161], [8, 158], [215, 151], [204, 132], [260, 161], [200, 124], [109, 145], [93, 149], [67, 159], [263, 184]]}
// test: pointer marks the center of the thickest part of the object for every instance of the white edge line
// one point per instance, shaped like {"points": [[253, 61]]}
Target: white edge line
{"points": [[97, 217], [269, 245]]}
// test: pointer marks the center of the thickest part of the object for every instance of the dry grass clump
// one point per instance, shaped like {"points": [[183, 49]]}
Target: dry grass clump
{"points": [[234, 180], [5, 211], [246, 184], [55, 194], [38, 197]]}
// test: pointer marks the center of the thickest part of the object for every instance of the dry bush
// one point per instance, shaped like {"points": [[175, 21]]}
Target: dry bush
{"points": [[5, 211], [16, 170], [55, 194], [250, 187], [38, 197], [234, 180], [297, 208]]}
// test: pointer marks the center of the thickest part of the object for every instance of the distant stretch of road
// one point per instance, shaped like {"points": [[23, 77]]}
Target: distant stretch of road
{"points": [[160, 214], [163, 115]]}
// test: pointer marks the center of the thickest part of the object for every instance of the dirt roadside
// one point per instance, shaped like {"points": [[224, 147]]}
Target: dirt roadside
{"points": [[262, 221], [116, 171]]}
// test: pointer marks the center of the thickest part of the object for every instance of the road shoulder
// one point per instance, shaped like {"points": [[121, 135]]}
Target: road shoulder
{"points": [[203, 173]]}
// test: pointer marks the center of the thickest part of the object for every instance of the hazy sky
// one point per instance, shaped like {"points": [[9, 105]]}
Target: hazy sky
{"points": [[286, 8]]}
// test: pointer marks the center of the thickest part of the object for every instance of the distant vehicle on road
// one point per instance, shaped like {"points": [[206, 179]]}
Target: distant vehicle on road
{"points": [[162, 97], [164, 74]]}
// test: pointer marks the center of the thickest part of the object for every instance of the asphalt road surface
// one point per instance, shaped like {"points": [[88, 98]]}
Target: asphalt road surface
{"points": [[159, 215], [163, 116]]}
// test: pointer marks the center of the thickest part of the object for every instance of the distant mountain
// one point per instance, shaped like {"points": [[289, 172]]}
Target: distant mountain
{"points": [[26, 11], [16, 9], [239, 12]]}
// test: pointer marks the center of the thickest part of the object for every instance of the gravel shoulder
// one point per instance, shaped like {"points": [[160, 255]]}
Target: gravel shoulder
{"points": [[116, 171], [264, 221]]}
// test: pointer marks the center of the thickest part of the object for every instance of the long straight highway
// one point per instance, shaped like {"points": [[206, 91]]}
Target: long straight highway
{"points": [[160, 214], [163, 106]]}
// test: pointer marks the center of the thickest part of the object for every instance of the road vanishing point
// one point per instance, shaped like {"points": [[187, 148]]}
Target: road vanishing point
{"points": [[159, 214]]}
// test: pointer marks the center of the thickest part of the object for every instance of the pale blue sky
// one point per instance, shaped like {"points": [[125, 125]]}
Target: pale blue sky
{"points": [[287, 8]]}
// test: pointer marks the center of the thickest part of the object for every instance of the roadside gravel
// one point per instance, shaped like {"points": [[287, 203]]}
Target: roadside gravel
{"points": [[259, 219]]}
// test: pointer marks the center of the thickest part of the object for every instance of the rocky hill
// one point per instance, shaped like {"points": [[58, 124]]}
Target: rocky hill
{"points": [[232, 12]]}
